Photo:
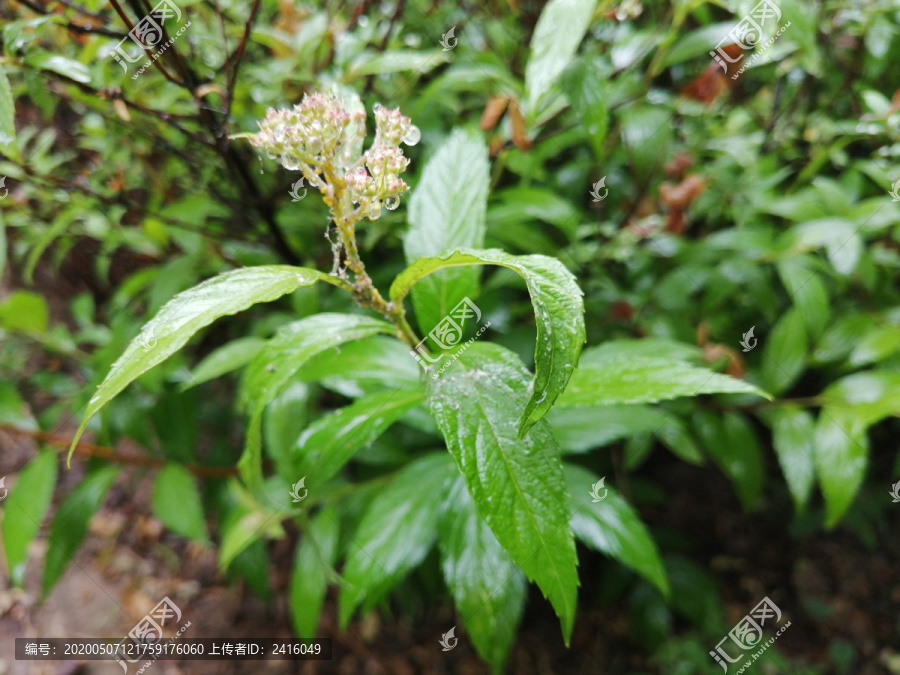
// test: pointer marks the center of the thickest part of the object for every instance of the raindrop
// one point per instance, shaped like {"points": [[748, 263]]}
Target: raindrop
{"points": [[374, 210], [314, 145], [377, 107], [412, 135], [290, 162], [391, 203]]}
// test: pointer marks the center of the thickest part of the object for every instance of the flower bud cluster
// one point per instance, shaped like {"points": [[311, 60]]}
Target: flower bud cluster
{"points": [[315, 136]]}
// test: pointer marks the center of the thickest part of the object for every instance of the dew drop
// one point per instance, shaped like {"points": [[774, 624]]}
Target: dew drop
{"points": [[377, 107], [412, 135], [391, 203], [314, 145]]}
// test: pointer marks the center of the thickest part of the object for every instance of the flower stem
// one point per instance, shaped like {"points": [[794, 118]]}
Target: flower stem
{"points": [[365, 294]]}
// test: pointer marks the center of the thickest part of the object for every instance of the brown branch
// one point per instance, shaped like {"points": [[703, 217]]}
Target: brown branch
{"points": [[239, 55], [74, 27], [162, 116], [155, 62], [92, 450]]}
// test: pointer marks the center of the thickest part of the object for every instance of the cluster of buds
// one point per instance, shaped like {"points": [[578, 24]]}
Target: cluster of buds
{"points": [[316, 137]]}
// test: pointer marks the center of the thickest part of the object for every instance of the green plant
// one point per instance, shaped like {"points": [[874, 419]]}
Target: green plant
{"points": [[507, 505]]}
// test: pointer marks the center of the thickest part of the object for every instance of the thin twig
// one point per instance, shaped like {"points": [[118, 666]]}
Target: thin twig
{"points": [[74, 27], [156, 62], [239, 55], [92, 450]]}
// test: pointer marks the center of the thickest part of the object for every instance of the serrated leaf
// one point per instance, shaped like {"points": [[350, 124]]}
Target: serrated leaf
{"points": [[328, 443], [231, 356], [447, 212], [396, 532], [613, 527], [793, 431], [841, 456], [71, 522], [313, 569], [279, 361], [24, 511], [622, 372], [784, 353], [730, 441], [190, 311], [176, 502], [488, 587], [516, 484], [559, 30], [8, 145], [558, 308]]}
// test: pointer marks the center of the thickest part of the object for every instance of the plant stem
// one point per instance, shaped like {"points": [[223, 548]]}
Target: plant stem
{"points": [[365, 293]]}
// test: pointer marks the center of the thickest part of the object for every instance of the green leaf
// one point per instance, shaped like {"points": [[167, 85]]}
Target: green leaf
{"points": [[520, 206], [613, 527], [278, 363], [730, 441], [784, 353], [875, 345], [231, 356], [841, 454], [558, 308], [313, 569], [807, 292], [329, 442], [176, 502], [873, 395], [620, 372], [793, 432], [8, 145], [63, 65], [589, 95], [841, 337], [396, 532], [364, 367], [190, 311], [675, 436], [24, 311], [71, 522], [559, 30], [397, 61], [245, 524], [582, 429], [517, 484], [447, 212], [24, 511], [488, 587]]}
